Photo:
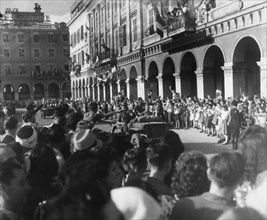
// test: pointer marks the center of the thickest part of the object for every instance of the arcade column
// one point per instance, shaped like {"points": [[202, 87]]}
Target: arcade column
{"points": [[200, 83], [98, 92], [93, 90], [128, 87], [140, 86], [16, 95], [228, 80], [160, 83], [104, 92], [111, 91], [263, 76], [119, 85], [178, 87]]}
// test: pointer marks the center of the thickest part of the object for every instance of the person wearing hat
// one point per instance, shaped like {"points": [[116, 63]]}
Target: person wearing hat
{"points": [[27, 137], [84, 139]]}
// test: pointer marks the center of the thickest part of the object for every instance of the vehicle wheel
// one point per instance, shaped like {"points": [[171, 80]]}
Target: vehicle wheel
{"points": [[136, 140]]}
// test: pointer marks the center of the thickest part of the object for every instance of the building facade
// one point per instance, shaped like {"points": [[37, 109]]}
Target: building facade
{"points": [[204, 49], [34, 61]]}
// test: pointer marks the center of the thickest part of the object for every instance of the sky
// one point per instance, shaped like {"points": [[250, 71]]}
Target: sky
{"points": [[59, 10]]}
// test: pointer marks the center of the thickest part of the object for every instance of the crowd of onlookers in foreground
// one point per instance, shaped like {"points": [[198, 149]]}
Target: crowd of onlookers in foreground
{"points": [[66, 171]]}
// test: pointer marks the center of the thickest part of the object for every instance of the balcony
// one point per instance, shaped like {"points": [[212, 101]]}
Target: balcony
{"points": [[50, 75]]}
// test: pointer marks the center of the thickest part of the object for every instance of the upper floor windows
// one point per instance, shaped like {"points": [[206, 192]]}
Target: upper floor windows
{"points": [[134, 26], [51, 38], [51, 52], [36, 52], [6, 53], [36, 38], [22, 69], [5, 38], [65, 37], [20, 38], [102, 15], [21, 52]]}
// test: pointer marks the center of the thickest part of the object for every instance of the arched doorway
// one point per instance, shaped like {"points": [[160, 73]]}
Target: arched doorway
{"points": [[213, 73], [91, 83], [66, 90], [53, 91], [24, 92], [9, 92], [133, 84], [188, 76], [123, 86], [168, 79], [246, 72], [39, 91], [152, 81], [83, 88]]}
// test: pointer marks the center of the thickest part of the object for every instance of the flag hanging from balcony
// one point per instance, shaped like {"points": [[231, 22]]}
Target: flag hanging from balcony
{"points": [[88, 57], [159, 23], [96, 64]]}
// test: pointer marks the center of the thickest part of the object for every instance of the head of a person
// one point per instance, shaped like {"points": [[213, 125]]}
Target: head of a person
{"points": [[112, 172], [173, 140], [72, 120], [241, 214], [43, 165], [56, 134], [13, 185], [11, 123], [159, 157], [93, 107], [190, 175], [26, 136], [253, 146], [28, 117], [226, 169], [135, 159]]}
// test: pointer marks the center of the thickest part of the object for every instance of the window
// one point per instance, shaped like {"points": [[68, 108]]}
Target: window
{"points": [[115, 7], [51, 38], [37, 68], [22, 69], [36, 53], [52, 67], [108, 10], [5, 37], [96, 20], [66, 53], [134, 30], [102, 16], [82, 33], [150, 16], [116, 39], [78, 36], [36, 38], [82, 54], [21, 52], [123, 4], [7, 70], [6, 53], [65, 37], [51, 53], [20, 38], [123, 39], [75, 38]]}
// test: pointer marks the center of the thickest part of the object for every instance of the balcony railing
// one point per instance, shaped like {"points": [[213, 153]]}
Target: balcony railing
{"points": [[180, 24], [50, 75]]}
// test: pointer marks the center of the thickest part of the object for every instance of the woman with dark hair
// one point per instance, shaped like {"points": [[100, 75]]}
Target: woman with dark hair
{"points": [[253, 145], [190, 175], [43, 169]]}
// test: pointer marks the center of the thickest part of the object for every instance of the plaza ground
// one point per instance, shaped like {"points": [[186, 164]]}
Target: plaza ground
{"points": [[192, 139]]}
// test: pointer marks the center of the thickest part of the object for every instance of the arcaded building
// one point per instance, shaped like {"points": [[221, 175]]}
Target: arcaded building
{"points": [[204, 49], [34, 61]]}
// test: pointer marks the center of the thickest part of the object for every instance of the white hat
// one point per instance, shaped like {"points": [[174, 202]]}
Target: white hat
{"points": [[135, 204], [84, 139]]}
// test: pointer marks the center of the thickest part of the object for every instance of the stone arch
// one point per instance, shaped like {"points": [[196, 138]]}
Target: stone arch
{"points": [[122, 81], [133, 83], [246, 72], [213, 75], [152, 80], [39, 91], [9, 92], [53, 91], [24, 92], [168, 79], [187, 74]]}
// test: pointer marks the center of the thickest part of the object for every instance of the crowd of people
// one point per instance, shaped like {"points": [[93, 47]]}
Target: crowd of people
{"points": [[66, 171]]}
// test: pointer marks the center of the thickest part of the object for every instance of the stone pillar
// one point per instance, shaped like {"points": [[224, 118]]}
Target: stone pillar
{"points": [[200, 83], [119, 85], [46, 93], [160, 83], [128, 87], [104, 92], [98, 92], [263, 76], [140, 87], [61, 93], [16, 96], [228, 80], [111, 91], [178, 87], [88, 91], [93, 90]]}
